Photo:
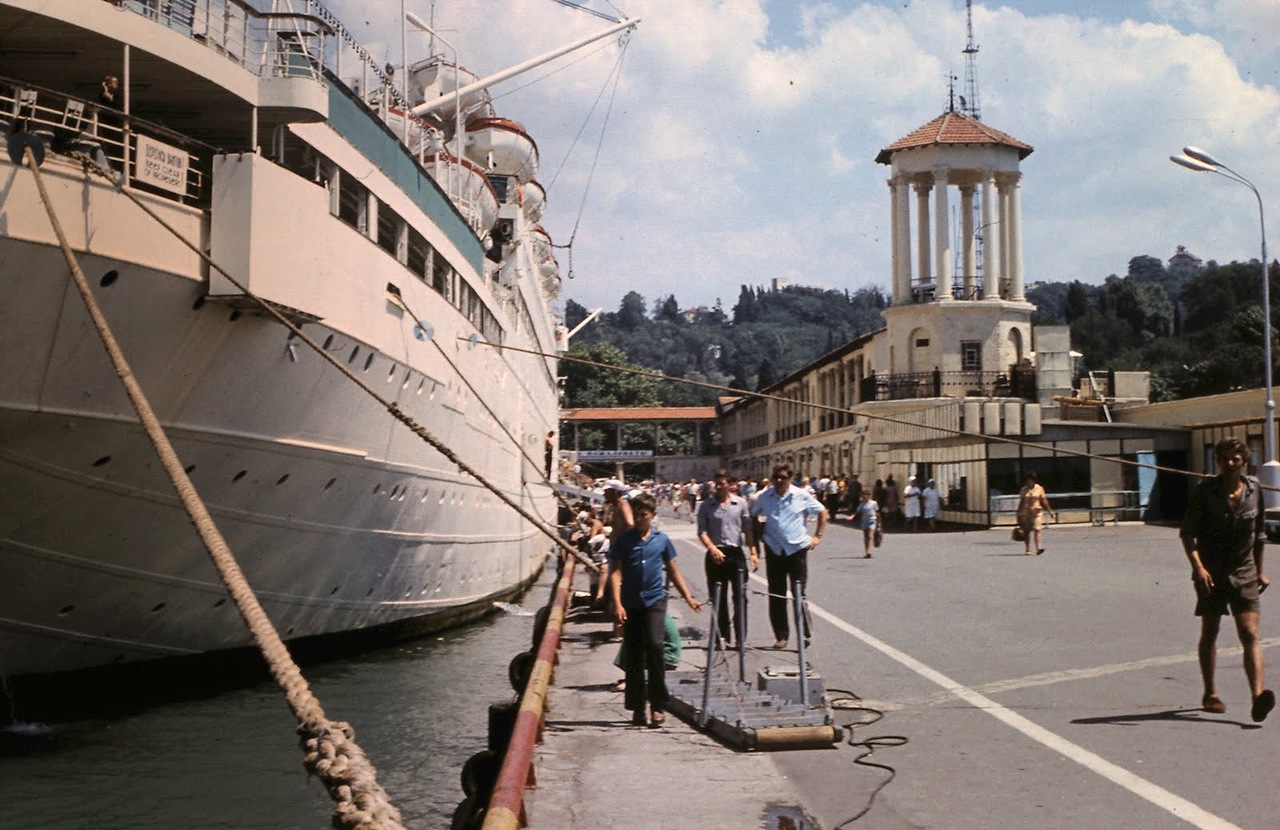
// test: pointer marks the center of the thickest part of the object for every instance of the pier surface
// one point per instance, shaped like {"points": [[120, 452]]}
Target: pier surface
{"points": [[978, 688]]}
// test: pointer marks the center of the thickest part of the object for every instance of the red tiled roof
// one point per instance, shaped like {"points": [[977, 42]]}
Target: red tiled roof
{"points": [[954, 128], [640, 413]]}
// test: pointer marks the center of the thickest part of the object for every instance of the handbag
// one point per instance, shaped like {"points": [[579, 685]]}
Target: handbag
{"points": [[1019, 533]]}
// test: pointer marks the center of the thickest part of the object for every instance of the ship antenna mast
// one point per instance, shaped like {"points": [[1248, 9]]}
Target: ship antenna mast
{"points": [[969, 101]]}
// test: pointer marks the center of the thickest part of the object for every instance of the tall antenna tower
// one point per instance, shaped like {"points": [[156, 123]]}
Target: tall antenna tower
{"points": [[969, 101]]}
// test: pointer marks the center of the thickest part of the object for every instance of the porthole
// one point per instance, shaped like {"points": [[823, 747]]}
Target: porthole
{"points": [[65, 610], [157, 608], [189, 469], [334, 591], [282, 479], [109, 278], [422, 383], [425, 494], [355, 350], [239, 475], [391, 373], [368, 361], [377, 488], [289, 631], [328, 341], [394, 492], [103, 461], [408, 376], [330, 483], [220, 603]]}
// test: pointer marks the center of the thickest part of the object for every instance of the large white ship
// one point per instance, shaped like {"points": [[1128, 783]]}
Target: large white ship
{"points": [[264, 134]]}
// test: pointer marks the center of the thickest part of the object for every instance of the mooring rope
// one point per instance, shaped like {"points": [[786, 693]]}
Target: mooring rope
{"points": [[390, 406], [332, 754], [949, 431]]}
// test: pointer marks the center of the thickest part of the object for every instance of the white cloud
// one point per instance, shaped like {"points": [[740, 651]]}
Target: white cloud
{"points": [[736, 152]]}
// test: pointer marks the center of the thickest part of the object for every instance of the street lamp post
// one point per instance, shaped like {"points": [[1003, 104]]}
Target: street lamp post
{"points": [[1193, 158]]}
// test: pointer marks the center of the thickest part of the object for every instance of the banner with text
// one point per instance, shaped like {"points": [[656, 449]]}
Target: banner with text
{"points": [[613, 455]]}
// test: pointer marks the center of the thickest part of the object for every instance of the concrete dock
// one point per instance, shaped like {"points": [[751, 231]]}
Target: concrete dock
{"points": [[979, 688]]}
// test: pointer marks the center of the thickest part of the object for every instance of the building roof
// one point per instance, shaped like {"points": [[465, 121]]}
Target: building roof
{"points": [[954, 128], [640, 413]]}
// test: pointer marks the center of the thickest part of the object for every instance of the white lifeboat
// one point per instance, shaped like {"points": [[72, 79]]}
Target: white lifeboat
{"points": [[434, 78], [544, 261], [395, 123], [535, 199], [466, 184], [503, 147]]}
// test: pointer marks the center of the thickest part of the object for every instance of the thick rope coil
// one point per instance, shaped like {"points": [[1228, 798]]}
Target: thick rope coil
{"points": [[361, 803]]}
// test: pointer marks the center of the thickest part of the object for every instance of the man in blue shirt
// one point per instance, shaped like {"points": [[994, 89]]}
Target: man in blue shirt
{"points": [[639, 562], [782, 509]]}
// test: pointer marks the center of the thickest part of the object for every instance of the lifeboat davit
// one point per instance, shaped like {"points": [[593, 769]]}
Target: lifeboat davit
{"points": [[395, 123], [466, 184], [434, 78], [535, 199], [503, 147]]}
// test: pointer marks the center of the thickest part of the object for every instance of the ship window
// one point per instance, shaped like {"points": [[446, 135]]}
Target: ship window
{"points": [[389, 230], [353, 203], [417, 254]]}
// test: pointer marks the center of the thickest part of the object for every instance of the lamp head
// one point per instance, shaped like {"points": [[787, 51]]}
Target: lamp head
{"points": [[1192, 164], [1201, 156]]}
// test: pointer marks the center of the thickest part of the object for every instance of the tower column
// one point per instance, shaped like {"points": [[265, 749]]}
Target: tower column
{"points": [[968, 248], [1002, 187], [990, 238], [942, 231], [1016, 283], [901, 238], [922, 231]]}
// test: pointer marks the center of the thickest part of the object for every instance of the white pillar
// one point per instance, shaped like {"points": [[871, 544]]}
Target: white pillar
{"points": [[902, 239], [1002, 187], [1016, 283], [990, 239], [968, 248], [922, 230], [942, 231]]}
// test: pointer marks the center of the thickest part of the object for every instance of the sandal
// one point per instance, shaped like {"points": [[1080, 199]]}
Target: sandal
{"points": [[1262, 705], [1213, 705]]}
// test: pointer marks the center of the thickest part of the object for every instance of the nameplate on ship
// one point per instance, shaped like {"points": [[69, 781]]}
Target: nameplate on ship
{"points": [[161, 165]]}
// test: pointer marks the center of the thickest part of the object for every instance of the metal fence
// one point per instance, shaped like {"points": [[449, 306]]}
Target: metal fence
{"points": [[1096, 507]]}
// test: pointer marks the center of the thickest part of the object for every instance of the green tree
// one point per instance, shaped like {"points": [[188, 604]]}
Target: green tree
{"points": [[599, 385], [631, 312]]}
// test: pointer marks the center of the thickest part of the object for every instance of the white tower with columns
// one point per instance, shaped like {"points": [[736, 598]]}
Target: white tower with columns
{"points": [[977, 319]]}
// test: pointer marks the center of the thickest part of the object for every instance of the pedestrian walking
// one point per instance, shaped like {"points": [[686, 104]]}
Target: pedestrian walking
{"points": [[1223, 537], [640, 562], [1033, 503], [867, 515], [787, 543], [724, 528], [931, 503]]}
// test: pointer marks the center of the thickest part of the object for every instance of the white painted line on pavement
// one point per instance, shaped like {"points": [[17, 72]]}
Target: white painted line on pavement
{"points": [[1153, 793]]}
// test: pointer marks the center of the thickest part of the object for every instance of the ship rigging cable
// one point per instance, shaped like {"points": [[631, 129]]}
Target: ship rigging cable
{"points": [[869, 416], [390, 406], [331, 752]]}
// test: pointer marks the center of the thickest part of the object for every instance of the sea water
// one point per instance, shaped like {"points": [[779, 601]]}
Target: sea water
{"points": [[232, 761]]}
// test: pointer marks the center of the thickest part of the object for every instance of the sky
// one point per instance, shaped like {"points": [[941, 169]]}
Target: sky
{"points": [[738, 144]]}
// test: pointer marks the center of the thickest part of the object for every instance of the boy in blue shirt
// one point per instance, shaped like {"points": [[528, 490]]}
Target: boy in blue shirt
{"points": [[639, 562]]}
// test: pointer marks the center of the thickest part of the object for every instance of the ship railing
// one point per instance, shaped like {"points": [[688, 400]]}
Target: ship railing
{"points": [[965, 383], [135, 151], [267, 43]]}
